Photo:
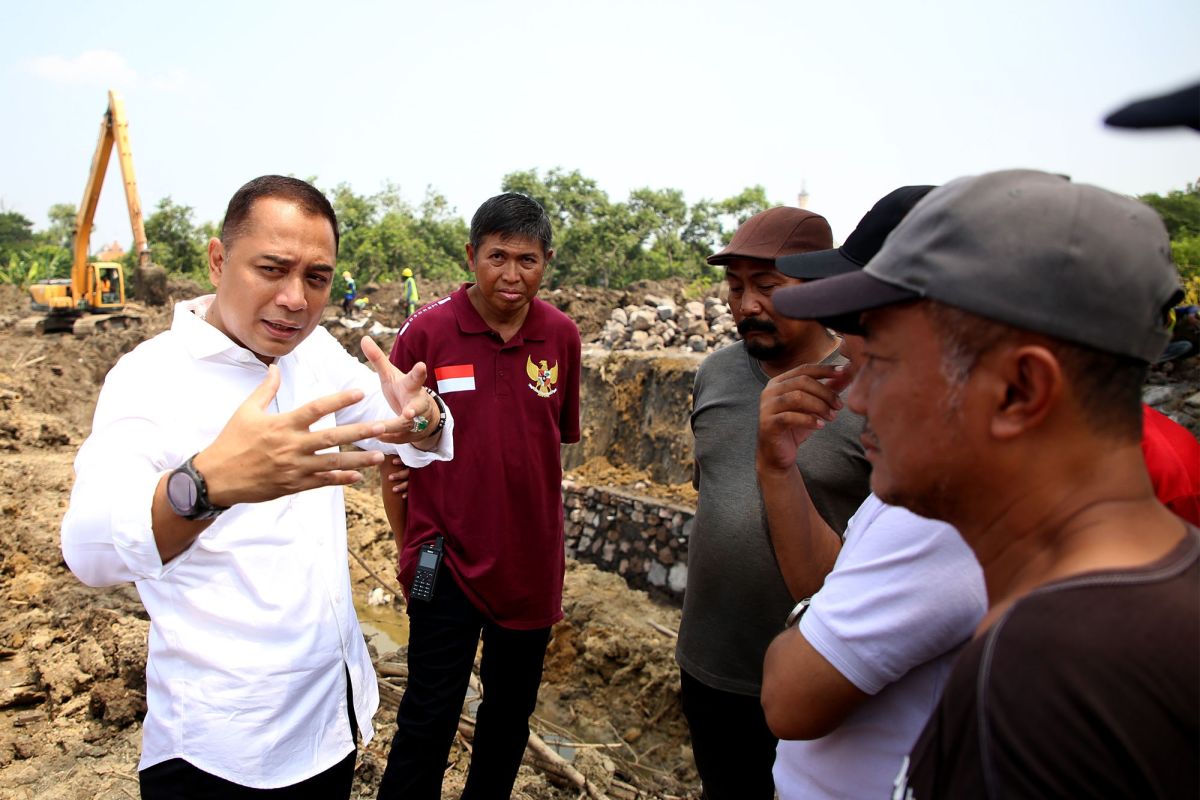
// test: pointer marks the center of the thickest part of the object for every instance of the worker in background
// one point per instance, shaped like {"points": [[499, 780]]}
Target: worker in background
{"points": [[349, 294], [410, 292]]}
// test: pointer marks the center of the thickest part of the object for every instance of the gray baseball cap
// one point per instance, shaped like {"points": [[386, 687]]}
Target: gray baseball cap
{"points": [[1025, 248]]}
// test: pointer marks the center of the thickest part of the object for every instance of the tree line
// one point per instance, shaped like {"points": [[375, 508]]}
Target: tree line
{"points": [[652, 234]]}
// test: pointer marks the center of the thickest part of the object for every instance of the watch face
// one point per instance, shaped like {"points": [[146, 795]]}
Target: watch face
{"points": [[181, 493]]}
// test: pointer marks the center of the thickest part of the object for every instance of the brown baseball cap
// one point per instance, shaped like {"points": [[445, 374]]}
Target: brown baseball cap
{"points": [[777, 232]]}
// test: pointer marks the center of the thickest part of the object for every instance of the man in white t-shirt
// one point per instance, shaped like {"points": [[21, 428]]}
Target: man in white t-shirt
{"points": [[850, 682]]}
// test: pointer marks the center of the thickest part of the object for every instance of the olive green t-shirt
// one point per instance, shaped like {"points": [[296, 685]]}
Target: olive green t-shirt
{"points": [[736, 599]]}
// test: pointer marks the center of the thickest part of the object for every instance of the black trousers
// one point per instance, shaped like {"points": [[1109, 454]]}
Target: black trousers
{"points": [[733, 747], [443, 635], [176, 779]]}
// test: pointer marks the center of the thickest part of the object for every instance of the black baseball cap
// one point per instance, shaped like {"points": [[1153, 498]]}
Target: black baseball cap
{"points": [[1024, 248], [1178, 108], [861, 245]]}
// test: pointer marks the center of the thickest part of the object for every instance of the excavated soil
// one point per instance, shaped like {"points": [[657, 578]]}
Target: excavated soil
{"points": [[72, 658]]}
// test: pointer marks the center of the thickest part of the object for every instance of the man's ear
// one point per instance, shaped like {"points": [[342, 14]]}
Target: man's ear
{"points": [[216, 260], [1033, 385], [470, 257]]}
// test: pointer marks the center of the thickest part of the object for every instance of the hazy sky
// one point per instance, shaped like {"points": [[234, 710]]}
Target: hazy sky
{"points": [[850, 99]]}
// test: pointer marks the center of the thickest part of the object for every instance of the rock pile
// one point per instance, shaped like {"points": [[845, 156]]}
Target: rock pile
{"points": [[1174, 389], [662, 322]]}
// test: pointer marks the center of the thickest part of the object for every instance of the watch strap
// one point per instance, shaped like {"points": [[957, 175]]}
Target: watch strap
{"points": [[203, 508], [797, 612]]}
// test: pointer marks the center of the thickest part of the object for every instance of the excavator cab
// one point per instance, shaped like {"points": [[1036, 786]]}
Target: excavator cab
{"points": [[109, 283]]}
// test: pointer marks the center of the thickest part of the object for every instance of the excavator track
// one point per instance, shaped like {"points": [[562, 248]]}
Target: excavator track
{"points": [[31, 326], [95, 323]]}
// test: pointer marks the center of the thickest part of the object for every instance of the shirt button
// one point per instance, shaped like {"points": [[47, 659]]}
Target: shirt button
{"points": [[501, 373]]}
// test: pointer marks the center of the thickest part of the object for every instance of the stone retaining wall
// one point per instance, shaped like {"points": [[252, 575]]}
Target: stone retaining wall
{"points": [[642, 539]]}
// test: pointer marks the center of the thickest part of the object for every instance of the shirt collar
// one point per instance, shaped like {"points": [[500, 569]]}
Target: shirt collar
{"points": [[469, 321], [204, 340]]}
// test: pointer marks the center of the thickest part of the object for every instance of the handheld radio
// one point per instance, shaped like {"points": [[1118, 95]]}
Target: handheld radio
{"points": [[425, 578]]}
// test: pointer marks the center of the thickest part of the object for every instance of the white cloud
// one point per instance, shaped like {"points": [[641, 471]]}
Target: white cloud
{"points": [[102, 67]]}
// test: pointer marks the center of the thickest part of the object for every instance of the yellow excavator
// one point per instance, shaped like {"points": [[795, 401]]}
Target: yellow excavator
{"points": [[94, 296]]}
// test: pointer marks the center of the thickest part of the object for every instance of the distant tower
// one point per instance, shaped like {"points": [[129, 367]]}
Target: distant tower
{"points": [[802, 198]]}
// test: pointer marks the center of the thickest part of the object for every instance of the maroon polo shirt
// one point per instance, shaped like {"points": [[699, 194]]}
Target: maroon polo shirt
{"points": [[498, 504]]}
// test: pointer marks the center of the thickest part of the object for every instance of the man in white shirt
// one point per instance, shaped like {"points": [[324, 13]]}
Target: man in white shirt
{"points": [[212, 478], [849, 683]]}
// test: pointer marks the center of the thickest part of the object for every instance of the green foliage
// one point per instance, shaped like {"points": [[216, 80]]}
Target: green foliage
{"points": [[1180, 211], [700, 286], [745, 205], [653, 235], [61, 232], [381, 234], [38, 263], [16, 233], [176, 242], [1185, 252]]}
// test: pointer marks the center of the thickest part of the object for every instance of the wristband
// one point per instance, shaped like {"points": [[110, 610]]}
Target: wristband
{"points": [[441, 404]]}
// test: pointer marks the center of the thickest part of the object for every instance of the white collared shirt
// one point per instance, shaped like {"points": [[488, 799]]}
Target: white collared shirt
{"points": [[249, 627]]}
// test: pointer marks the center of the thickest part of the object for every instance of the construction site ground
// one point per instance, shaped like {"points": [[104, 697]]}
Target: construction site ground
{"points": [[72, 658]]}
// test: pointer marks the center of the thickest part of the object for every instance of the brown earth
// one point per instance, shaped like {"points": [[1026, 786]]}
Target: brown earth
{"points": [[72, 658]]}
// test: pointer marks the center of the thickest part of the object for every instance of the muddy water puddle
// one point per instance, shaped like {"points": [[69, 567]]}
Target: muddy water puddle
{"points": [[384, 626]]}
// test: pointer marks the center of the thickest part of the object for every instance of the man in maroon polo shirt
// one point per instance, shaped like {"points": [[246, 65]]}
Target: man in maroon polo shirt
{"points": [[508, 364]]}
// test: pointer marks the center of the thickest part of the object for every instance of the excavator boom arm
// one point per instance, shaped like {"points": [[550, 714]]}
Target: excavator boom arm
{"points": [[120, 127], [114, 129]]}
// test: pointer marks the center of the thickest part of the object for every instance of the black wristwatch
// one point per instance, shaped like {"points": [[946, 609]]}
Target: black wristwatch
{"points": [[187, 492]]}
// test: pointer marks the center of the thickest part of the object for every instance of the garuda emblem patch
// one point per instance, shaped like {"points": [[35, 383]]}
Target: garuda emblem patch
{"points": [[544, 377]]}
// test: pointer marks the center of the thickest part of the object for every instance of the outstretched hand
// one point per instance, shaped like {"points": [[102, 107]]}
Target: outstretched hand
{"points": [[260, 456], [793, 405], [405, 393]]}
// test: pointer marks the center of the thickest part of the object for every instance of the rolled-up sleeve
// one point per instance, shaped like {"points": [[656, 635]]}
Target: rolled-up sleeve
{"points": [[414, 456], [352, 373], [107, 535]]}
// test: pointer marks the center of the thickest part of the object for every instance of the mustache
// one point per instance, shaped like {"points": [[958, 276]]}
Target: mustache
{"points": [[869, 434], [754, 324]]}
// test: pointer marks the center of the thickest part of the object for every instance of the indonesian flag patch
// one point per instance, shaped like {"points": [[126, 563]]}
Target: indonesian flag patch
{"points": [[456, 378]]}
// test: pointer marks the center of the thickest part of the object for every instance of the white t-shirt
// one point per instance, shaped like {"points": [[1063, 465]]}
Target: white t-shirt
{"points": [[252, 628], [905, 594]]}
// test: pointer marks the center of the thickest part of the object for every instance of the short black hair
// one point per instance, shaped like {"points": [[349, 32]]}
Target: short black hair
{"points": [[512, 214], [293, 190], [1108, 387]]}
